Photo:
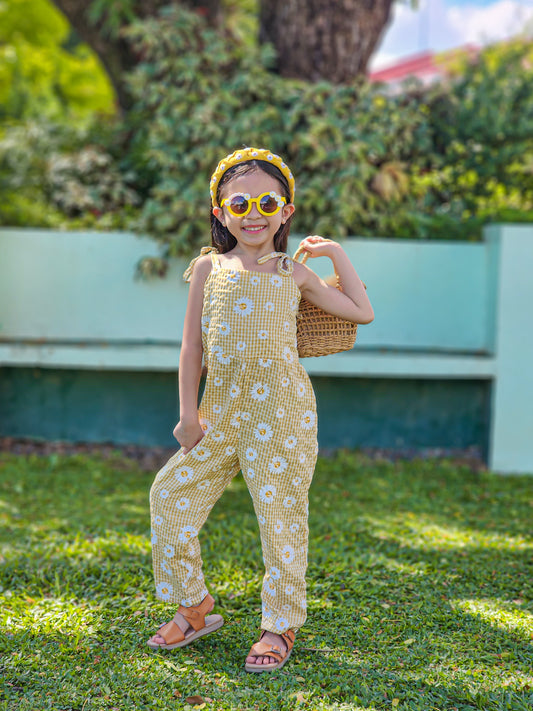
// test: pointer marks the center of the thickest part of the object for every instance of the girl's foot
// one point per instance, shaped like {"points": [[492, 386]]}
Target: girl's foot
{"points": [[271, 652], [188, 624]]}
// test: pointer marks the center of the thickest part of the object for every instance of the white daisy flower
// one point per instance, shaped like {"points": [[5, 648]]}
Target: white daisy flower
{"points": [[166, 567], [286, 326], [241, 346], [308, 419], [230, 451], [251, 454], [294, 527], [244, 306], [234, 390], [186, 602], [234, 276], [217, 381], [269, 306], [205, 324], [262, 520], [236, 419], [200, 453], [277, 465], [222, 357], [286, 608], [205, 424], [280, 412], [262, 334], [183, 474], [289, 502], [164, 591], [297, 481], [251, 473], [224, 328], [183, 504], [158, 520], [270, 588], [303, 604], [290, 442], [263, 432], [265, 362], [155, 538], [301, 458], [293, 303], [275, 573], [164, 494], [245, 416], [267, 493], [288, 355], [266, 611], [289, 590], [300, 390], [275, 280], [287, 554], [285, 382], [188, 568], [278, 526], [186, 533], [168, 551], [217, 436], [260, 391], [204, 484], [282, 624], [217, 409]]}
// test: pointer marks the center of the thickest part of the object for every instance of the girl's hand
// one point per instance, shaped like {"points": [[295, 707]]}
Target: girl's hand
{"points": [[188, 434], [317, 246]]}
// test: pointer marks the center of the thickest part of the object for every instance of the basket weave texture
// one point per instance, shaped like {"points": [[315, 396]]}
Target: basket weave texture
{"points": [[317, 332]]}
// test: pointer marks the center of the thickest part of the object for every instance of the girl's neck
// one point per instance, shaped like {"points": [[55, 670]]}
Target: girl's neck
{"points": [[249, 255]]}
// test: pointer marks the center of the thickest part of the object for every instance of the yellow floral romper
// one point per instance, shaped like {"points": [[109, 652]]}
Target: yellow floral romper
{"points": [[259, 416]]}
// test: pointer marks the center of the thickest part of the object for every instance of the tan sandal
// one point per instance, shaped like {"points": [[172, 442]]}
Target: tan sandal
{"points": [[199, 625], [263, 649]]}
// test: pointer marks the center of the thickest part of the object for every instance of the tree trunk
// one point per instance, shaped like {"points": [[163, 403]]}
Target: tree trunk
{"points": [[323, 39], [114, 52]]}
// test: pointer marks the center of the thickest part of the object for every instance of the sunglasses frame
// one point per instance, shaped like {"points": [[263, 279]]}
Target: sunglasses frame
{"points": [[257, 200]]}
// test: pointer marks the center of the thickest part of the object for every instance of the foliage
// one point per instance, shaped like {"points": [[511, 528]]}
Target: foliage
{"points": [[424, 163], [419, 590], [46, 180], [44, 71]]}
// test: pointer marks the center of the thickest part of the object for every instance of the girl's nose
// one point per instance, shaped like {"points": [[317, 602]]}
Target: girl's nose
{"points": [[254, 212]]}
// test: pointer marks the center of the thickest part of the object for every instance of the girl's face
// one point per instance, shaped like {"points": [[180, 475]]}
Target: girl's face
{"points": [[254, 229]]}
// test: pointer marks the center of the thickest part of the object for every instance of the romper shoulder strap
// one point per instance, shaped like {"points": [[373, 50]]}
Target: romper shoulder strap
{"points": [[285, 263], [205, 250]]}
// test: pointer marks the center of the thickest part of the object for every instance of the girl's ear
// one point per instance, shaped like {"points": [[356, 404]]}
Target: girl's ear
{"points": [[287, 211], [218, 212]]}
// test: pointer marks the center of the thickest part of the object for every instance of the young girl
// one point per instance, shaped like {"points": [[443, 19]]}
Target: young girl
{"points": [[258, 411]]}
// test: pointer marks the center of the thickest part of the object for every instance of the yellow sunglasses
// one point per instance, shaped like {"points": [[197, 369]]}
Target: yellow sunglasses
{"points": [[240, 204]]}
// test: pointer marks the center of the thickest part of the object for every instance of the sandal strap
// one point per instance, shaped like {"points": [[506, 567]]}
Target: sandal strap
{"points": [[195, 616], [171, 633]]}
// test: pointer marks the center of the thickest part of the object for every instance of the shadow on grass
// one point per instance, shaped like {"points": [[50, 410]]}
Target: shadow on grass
{"points": [[419, 592]]}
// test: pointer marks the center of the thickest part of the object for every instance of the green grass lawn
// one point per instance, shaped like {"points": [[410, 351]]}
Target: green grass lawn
{"points": [[420, 592]]}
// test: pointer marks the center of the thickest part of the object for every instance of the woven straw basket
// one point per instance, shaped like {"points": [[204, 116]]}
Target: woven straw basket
{"points": [[317, 332]]}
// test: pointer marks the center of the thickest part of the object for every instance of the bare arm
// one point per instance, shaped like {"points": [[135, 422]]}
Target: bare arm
{"points": [[188, 431], [352, 303]]}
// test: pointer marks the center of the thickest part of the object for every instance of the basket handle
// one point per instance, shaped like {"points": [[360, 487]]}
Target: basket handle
{"points": [[304, 254]]}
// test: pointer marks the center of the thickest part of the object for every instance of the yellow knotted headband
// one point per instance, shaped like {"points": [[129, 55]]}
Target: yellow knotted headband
{"points": [[245, 154]]}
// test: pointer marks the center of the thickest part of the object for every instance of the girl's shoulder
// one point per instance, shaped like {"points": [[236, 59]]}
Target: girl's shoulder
{"points": [[200, 265]]}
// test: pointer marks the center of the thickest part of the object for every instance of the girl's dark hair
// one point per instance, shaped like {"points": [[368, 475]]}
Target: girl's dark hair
{"points": [[221, 237]]}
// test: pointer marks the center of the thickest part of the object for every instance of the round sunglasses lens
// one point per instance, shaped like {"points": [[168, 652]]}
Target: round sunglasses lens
{"points": [[269, 204], [238, 204]]}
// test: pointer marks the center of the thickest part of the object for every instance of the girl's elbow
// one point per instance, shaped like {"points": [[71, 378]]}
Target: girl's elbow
{"points": [[367, 317]]}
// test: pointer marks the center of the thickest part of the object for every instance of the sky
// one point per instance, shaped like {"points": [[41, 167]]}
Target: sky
{"points": [[443, 24]]}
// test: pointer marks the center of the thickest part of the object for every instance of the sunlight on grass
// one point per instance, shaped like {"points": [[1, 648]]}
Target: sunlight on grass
{"points": [[419, 589], [503, 615]]}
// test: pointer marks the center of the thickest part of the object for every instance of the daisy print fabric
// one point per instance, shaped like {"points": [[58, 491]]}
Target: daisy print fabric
{"points": [[258, 414]]}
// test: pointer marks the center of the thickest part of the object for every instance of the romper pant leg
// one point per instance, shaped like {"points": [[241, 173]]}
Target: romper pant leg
{"points": [[182, 495], [278, 471]]}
